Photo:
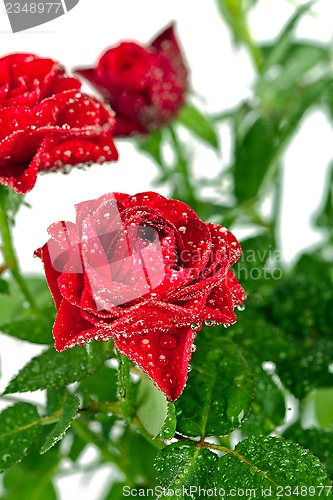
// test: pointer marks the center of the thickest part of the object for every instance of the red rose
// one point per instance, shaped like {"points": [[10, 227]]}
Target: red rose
{"points": [[145, 271], [46, 123], [146, 86]]}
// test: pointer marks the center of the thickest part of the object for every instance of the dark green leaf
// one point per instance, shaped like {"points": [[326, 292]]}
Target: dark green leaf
{"points": [[168, 429], [4, 287], [279, 467], [19, 427], [51, 369], [309, 369], [152, 406], [253, 156], [268, 408], [219, 390], [136, 457], [318, 441], [37, 330], [181, 466], [191, 118], [55, 399], [100, 386], [69, 411]]}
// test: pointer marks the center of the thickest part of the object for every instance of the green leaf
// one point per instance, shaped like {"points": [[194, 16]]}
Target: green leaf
{"points": [[35, 329], [4, 287], [181, 466], [136, 457], [318, 441], [191, 118], [152, 145], [278, 466], [31, 479], [19, 427], [219, 390], [152, 406], [257, 262], [254, 154], [51, 369], [278, 51], [100, 386], [69, 411], [168, 428], [268, 408], [324, 406], [325, 217], [13, 306]]}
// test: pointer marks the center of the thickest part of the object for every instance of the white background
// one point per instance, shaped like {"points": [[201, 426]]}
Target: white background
{"points": [[219, 73]]}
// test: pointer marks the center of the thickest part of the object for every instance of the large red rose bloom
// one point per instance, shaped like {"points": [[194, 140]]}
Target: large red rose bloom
{"points": [[46, 123], [145, 271], [146, 86]]}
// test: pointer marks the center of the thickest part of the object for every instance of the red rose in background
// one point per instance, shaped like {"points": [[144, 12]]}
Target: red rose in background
{"points": [[145, 271], [46, 123], [146, 86]]}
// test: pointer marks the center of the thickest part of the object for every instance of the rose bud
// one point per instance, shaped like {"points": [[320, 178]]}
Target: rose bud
{"points": [[46, 123], [145, 271], [145, 86]]}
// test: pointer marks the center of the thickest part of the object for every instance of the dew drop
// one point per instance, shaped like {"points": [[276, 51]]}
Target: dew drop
{"points": [[145, 345], [169, 379], [210, 324], [193, 348], [163, 360], [196, 327], [189, 368], [241, 307], [226, 325], [168, 342]]}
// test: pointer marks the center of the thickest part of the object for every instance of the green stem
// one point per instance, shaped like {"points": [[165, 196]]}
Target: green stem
{"points": [[183, 170], [125, 387], [9, 252]]}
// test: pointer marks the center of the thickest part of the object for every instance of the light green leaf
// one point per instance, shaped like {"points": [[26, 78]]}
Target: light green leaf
{"points": [[152, 406], [19, 427], [52, 369], [69, 411], [219, 390], [191, 118], [253, 157], [278, 466], [168, 428], [181, 466], [324, 406]]}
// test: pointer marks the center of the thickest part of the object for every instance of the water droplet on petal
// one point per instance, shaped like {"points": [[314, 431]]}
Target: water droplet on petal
{"points": [[210, 324], [163, 360], [241, 307], [169, 379], [226, 325], [193, 348], [145, 345], [168, 341], [196, 327]]}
